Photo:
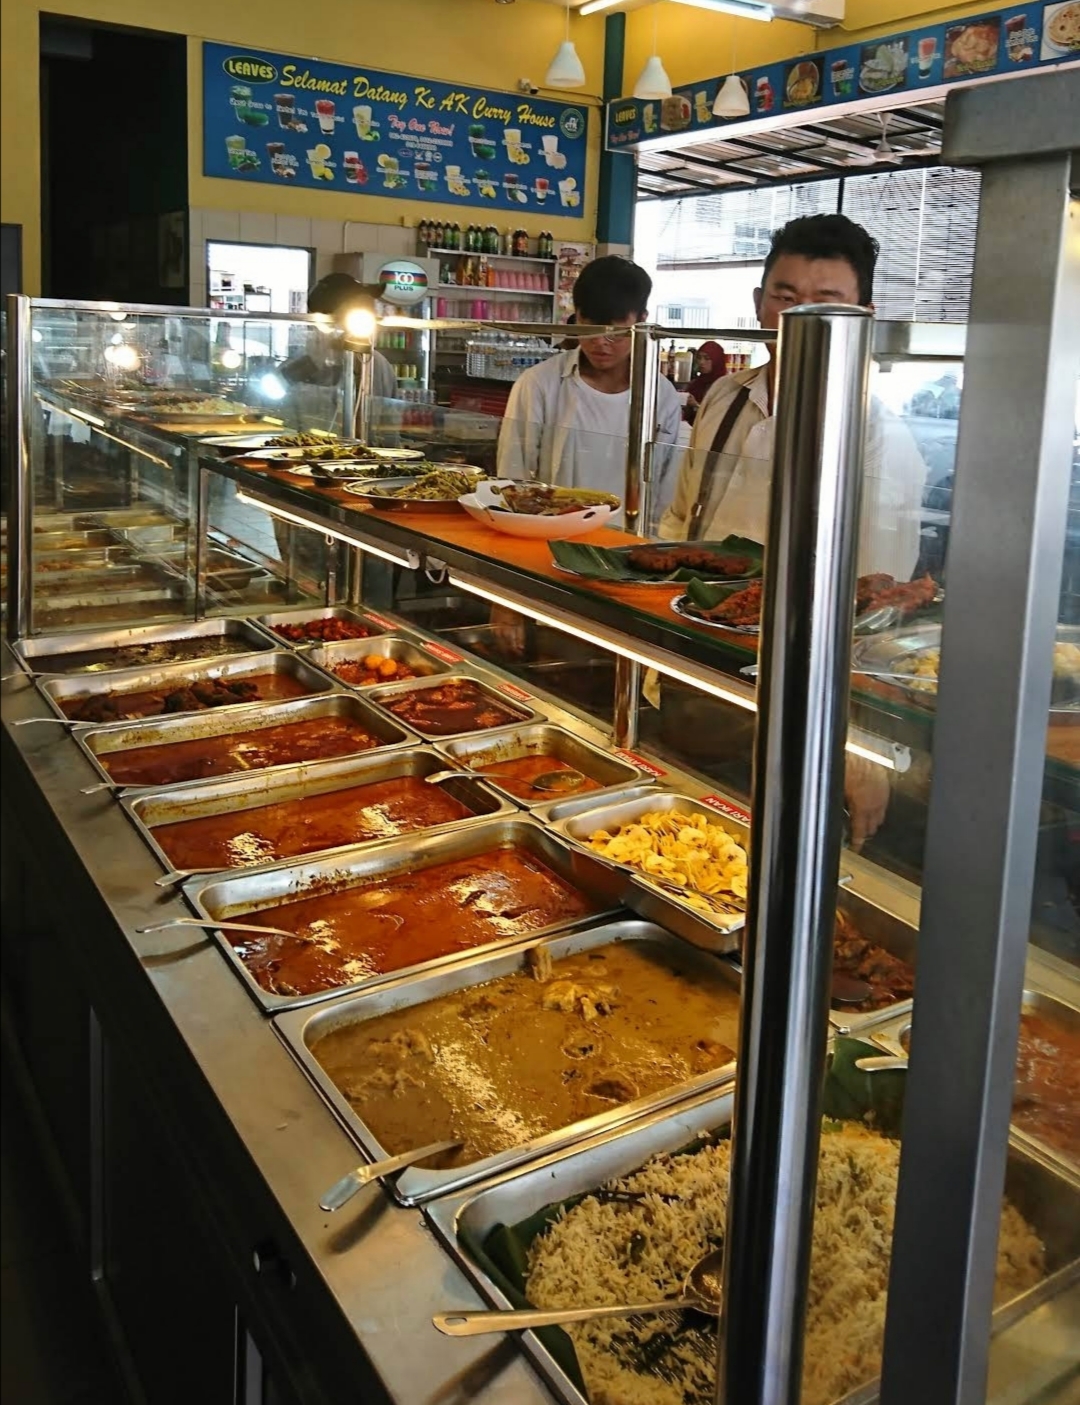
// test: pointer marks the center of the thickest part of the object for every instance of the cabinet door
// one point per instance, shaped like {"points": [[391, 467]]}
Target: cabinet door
{"points": [[168, 1289]]}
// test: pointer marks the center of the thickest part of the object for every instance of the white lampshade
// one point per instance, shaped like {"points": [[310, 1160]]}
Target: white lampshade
{"points": [[732, 100], [566, 70], [653, 81]]}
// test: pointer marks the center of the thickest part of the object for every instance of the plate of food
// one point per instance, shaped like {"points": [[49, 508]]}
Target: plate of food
{"points": [[271, 439], [803, 83], [972, 48], [1061, 30], [539, 510], [662, 563], [734, 607], [436, 491], [883, 66], [910, 659], [353, 450]]}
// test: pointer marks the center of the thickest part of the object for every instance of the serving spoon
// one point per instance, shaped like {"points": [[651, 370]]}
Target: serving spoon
{"points": [[701, 1291], [341, 1192], [222, 926], [552, 781]]}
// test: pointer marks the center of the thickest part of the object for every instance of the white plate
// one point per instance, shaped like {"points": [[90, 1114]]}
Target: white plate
{"points": [[481, 505], [370, 455]]}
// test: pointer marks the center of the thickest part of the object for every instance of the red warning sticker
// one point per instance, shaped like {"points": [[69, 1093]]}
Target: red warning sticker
{"points": [[725, 807]]}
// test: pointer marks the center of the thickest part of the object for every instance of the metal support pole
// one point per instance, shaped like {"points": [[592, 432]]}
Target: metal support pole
{"points": [[202, 542], [627, 705], [794, 848], [20, 543], [644, 382], [364, 363], [1006, 547]]}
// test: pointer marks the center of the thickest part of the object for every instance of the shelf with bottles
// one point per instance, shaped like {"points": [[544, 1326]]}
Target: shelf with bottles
{"points": [[494, 291], [503, 258], [434, 240]]}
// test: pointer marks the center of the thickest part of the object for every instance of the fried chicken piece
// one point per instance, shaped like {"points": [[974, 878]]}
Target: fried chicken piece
{"points": [[874, 592], [663, 560], [742, 608]]}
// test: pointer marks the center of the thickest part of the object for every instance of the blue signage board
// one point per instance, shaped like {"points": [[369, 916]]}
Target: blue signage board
{"points": [[272, 118], [1003, 41]]}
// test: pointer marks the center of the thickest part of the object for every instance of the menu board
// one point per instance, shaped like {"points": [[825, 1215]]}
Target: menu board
{"points": [[1003, 41], [328, 126]]}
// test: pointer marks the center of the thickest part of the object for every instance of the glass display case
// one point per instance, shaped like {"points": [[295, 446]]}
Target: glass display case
{"points": [[655, 670], [114, 406]]}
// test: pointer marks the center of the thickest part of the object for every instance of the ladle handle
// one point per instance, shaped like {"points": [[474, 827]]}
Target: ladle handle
{"points": [[215, 926], [341, 1192], [476, 1324]]}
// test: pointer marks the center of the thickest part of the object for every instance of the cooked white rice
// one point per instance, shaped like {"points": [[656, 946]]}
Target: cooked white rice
{"points": [[608, 1252]]}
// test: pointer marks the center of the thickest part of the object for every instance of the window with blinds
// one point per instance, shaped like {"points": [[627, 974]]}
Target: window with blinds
{"points": [[923, 219]]}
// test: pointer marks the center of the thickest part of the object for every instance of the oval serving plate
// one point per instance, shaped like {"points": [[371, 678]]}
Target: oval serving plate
{"points": [[680, 607], [377, 494]]}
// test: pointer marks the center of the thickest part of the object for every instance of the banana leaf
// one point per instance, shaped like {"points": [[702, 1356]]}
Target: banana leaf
{"points": [[612, 564]]}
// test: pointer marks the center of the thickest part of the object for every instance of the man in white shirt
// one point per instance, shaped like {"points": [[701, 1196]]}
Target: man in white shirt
{"points": [[723, 486], [568, 418], [724, 483]]}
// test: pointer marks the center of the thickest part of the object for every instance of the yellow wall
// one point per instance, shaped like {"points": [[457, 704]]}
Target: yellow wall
{"points": [[696, 44], [467, 41]]}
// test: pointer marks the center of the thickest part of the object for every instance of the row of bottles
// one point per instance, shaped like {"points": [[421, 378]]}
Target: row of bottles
{"points": [[480, 272], [482, 240]]}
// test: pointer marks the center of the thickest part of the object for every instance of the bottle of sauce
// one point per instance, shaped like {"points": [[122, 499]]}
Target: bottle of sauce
{"points": [[438, 236], [520, 245]]}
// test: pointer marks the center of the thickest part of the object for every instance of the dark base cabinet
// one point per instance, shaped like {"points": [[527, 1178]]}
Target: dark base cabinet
{"points": [[135, 1204]]}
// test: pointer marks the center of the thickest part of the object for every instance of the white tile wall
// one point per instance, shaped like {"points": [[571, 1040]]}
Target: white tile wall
{"points": [[293, 231], [221, 224], [359, 238], [257, 228], [327, 235]]}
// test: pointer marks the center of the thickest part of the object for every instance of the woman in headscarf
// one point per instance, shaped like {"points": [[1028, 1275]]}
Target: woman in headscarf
{"points": [[711, 365]]}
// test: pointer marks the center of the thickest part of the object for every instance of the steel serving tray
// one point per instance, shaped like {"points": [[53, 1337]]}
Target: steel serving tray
{"points": [[135, 680], [890, 1035], [96, 742], [385, 646], [480, 749], [417, 1185], [65, 653], [506, 695], [884, 929], [379, 624], [1048, 1201], [149, 810], [234, 896], [649, 900]]}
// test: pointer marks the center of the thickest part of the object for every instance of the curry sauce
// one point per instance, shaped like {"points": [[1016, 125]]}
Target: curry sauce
{"points": [[318, 739], [516, 776], [404, 919], [379, 810], [499, 1064]]}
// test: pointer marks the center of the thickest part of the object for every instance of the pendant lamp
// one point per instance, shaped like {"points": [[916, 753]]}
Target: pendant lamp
{"points": [[732, 100], [566, 70], [653, 81]]}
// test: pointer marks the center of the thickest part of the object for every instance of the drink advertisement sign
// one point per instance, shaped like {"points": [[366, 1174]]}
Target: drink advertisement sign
{"points": [[280, 120], [931, 56]]}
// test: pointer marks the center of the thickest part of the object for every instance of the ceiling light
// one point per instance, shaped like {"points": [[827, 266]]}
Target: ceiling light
{"points": [[566, 70], [745, 9], [732, 100], [593, 7], [653, 81], [231, 359]]}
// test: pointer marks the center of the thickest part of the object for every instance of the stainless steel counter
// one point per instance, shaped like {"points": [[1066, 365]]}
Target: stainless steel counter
{"points": [[256, 1133]]}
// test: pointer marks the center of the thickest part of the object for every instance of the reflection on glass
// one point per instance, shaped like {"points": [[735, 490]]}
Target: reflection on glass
{"points": [[121, 402]]}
